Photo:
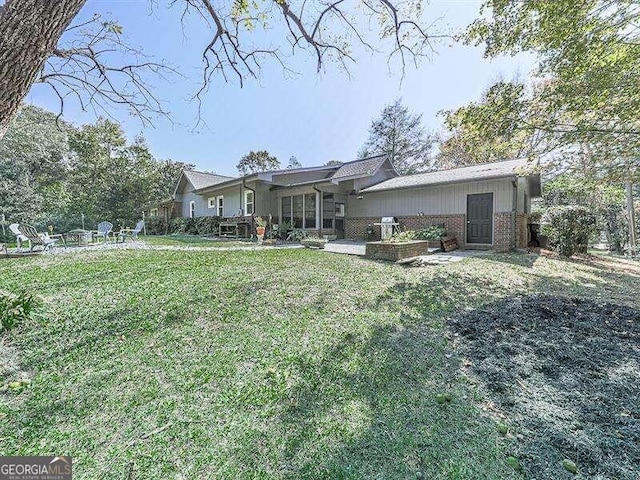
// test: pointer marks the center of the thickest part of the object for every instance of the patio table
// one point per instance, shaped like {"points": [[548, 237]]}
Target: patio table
{"points": [[81, 237]]}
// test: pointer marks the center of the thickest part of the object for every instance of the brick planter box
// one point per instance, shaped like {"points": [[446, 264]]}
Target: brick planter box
{"points": [[434, 243], [396, 251]]}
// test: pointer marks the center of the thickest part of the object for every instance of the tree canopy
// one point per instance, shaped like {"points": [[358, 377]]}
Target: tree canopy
{"points": [[52, 172], [400, 134], [489, 130], [260, 161], [587, 92]]}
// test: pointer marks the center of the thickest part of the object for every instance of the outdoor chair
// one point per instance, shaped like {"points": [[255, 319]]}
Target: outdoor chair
{"points": [[20, 238], [124, 233], [105, 230], [36, 238]]}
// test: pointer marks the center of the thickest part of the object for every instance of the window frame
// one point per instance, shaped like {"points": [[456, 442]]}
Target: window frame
{"points": [[220, 206], [212, 202], [247, 203], [291, 216], [192, 209]]}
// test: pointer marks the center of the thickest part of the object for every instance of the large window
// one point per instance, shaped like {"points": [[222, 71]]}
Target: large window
{"points": [[248, 203], [327, 210], [300, 210], [310, 210], [220, 211], [286, 209], [192, 209]]}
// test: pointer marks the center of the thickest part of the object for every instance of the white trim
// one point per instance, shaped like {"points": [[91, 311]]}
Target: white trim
{"points": [[192, 209], [246, 203], [211, 202], [220, 206]]}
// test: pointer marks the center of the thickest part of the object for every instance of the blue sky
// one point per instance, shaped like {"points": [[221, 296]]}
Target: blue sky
{"points": [[315, 117]]}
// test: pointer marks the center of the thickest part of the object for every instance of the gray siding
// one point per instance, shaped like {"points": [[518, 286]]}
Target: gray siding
{"points": [[232, 200], [437, 200], [187, 197]]}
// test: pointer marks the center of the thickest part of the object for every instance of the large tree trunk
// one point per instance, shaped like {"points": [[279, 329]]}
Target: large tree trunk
{"points": [[29, 32]]}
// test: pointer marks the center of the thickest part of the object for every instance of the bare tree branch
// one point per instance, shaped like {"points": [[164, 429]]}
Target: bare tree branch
{"points": [[96, 68]]}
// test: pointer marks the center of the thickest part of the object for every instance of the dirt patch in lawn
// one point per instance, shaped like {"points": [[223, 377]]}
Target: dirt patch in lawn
{"points": [[564, 373]]}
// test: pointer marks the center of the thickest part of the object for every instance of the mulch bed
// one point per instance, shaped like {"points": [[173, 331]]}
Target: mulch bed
{"points": [[565, 375]]}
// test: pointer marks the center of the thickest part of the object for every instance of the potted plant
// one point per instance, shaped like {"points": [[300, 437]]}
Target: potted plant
{"points": [[261, 225], [272, 236]]}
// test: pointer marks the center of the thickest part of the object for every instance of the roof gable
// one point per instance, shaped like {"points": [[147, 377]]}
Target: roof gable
{"points": [[199, 180], [359, 168], [485, 171]]}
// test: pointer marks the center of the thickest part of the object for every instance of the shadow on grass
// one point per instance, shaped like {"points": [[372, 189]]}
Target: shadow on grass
{"points": [[368, 409]]}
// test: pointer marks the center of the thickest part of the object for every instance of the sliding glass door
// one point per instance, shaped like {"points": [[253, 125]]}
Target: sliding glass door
{"points": [[300, 210]]}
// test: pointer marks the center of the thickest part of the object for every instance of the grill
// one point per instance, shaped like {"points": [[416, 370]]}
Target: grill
{"points": [[387, 227]]}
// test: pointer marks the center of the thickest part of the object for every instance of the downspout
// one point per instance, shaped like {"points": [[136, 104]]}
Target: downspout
{"points": [[514, 213]]}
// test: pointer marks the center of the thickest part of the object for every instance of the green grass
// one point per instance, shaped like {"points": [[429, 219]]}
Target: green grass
{"points": [[260, 364], [193, 240]]}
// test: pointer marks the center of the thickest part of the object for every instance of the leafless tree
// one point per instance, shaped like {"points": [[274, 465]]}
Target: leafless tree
{"points": [[91, 62]]}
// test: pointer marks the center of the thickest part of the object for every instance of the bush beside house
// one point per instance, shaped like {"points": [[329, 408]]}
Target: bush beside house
{"points": [[569, 228]]}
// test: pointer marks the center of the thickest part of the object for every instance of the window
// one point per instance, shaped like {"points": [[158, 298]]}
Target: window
{"points": [[211, 202], [286, 209], [297, 209], [248, 203], [300, 210], [220, 206], [310, 210], [327, 210], [153, 212], [192, 209]]}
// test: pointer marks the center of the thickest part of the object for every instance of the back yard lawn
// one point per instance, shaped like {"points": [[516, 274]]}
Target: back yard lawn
{"points": [[178, 239], [270, 364]]}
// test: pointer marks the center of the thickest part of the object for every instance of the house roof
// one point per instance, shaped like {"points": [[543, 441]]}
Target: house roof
{"points": [[359, 168], [203, 179], [485, 171]]}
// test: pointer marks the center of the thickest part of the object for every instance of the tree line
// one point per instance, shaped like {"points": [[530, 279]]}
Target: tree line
{"points": [[52, 173]]}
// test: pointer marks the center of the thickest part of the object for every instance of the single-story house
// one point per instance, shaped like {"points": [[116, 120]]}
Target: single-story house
{"points": [[484, 206]]}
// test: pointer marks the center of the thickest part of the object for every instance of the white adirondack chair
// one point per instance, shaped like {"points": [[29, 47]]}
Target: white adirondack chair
{"points": [[20, 238]]}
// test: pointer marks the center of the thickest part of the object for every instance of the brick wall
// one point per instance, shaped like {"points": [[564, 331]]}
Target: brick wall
{"points": [[502, 231], [395, 251], [522, 230], [356, 227]]}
